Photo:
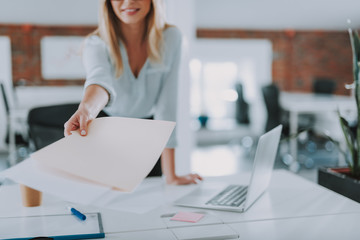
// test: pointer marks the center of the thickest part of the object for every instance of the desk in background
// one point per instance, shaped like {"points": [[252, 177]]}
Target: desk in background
{"points": [[292, 208], [220, 131], [310, 103]]}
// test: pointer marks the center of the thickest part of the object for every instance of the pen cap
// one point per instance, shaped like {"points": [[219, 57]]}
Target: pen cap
{"points": [[77, 213], [30, 197]]}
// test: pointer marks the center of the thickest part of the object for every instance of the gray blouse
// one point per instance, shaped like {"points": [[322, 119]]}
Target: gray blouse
{"points": [[152, 93]]}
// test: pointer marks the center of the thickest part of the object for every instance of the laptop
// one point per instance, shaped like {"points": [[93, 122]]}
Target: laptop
{"points": [[239, 197]]}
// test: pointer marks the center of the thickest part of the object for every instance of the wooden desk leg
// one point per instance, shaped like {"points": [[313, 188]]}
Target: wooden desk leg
{"points": [[30, 197]]}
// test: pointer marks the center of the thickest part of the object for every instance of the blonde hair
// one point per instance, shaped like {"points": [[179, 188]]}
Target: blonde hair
{"points": [[109, 30]]}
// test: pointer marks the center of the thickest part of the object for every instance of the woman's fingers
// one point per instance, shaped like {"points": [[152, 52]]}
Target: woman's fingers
{"points": [[79, 121], [196, 176], [187, 179], [83, 125], [70, 126]]}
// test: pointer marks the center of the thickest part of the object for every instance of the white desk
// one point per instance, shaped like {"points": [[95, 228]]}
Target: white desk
{"points": [[302, 103], [293, 208], [220, 131]]}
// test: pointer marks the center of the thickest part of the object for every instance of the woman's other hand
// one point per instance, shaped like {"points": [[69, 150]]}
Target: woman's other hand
{"points": [[184, 180]]}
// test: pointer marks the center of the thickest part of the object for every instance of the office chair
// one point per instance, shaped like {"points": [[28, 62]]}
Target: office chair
{"points": [[46, 124], [13, 138], [19, 138], [276, 116], [242, 107], [271, 95], [324, 86], [6, 103]]}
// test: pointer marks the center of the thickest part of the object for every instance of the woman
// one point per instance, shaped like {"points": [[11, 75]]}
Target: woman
{"points": [[132, 62]]}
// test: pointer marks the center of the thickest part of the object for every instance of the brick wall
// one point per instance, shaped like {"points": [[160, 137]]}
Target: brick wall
{"points": [[301, 56], [25, 49]]}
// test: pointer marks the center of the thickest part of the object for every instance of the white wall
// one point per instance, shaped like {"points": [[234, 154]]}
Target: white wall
{"points": [[277, 14], [49, 12], [175, 11], [249, 14]]}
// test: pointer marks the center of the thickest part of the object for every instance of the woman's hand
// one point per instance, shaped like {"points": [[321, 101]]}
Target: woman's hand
{"points": [[94, 100], [78, 121], [168, 168], [183, 180]]}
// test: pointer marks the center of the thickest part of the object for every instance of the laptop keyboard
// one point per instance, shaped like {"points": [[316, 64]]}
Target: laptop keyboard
{"points": [[233, 196]]}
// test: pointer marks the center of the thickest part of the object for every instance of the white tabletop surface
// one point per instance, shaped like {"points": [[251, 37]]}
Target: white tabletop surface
{"points": [[289, 202], [310, 102]]}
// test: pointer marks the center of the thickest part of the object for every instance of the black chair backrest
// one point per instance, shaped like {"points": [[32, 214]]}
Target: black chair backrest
{"points": [[6, 103], [271, 96], [46, 124], [324, 86], [242, 107]]}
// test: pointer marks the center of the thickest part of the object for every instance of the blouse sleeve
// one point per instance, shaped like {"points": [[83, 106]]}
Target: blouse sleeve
{"points": [[167, 102], [98, 66]]}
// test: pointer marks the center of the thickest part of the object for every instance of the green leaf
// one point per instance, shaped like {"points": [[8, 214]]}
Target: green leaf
{"points": [[355, 47], [346, 129], [349, 137]]}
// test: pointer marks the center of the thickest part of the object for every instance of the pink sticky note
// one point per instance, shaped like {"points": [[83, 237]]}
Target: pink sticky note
{"points": [[187, 217]]}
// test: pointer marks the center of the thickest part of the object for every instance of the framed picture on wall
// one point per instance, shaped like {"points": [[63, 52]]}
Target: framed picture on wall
{"points": [[61, 57]]}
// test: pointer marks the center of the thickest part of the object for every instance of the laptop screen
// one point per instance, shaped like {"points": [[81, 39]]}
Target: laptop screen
{"points": [[263, 165]]}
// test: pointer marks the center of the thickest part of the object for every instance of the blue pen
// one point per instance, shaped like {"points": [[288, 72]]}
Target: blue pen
{"points": [[77, 213]]}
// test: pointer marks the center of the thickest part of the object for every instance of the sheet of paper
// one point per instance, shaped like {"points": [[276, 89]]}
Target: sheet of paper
{"points": [[117, 152], [77, 190], [134, 202], [63, 186]]}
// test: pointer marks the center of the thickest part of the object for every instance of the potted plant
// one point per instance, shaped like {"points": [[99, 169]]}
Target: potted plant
{"points": [[346, 181]]}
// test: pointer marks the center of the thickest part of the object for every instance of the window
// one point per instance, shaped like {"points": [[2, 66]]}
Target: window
{"points": [[213, 91], [217, 66]]}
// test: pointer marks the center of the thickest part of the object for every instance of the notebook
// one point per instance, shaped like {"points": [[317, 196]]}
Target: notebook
{"points": [[64, 226], [239, 197]]}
